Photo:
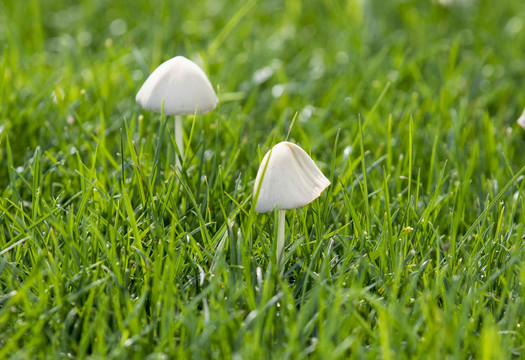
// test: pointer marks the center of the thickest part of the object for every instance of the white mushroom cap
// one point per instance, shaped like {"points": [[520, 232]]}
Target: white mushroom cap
{"points": [[182, 85], [521, 119], [291, 179]]}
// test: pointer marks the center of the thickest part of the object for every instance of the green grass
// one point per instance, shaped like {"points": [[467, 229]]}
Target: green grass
{"points": [[409, 107]]}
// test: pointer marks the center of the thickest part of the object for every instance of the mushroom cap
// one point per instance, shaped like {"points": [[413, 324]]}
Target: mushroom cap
{"points": [[521, 119], [291, 179], [182, 85]]}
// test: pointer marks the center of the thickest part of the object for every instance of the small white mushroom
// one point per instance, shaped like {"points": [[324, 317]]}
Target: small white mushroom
{"points": [[521, 120], [291, 179], [182, 88], [287, 179]]}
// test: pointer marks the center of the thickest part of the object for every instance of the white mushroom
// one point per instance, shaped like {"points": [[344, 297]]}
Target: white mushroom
{"points": [[521, 119], [177, 87], [287, 179]]}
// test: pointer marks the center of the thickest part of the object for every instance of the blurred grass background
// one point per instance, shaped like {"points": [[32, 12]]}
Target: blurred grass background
{"points": [[107, 252], [446, 66]]}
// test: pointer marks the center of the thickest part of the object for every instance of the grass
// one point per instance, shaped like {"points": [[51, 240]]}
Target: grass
{"points": [[409, 107]]}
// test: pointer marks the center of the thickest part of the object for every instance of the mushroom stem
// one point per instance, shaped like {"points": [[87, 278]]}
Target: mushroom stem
{"points": [[179, 140], [280, 240]]}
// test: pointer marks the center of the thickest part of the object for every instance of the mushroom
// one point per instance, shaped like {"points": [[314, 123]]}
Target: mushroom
{"points": [[521, 119], [177, 87], [287, 179]]}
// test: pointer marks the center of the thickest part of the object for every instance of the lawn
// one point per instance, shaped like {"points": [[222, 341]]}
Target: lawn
{"points": [[415, 250]]}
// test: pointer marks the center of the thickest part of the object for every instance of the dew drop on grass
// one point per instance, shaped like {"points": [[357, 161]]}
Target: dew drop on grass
{"points": [[262, 75], [317, 65], [128, 342], [487, 70], [208, 154], [393, 75], [66, 41], [514, 25], [84, 38], [346, 152], [118, 27], [277, 90], [57, 95], [306, 113]]}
